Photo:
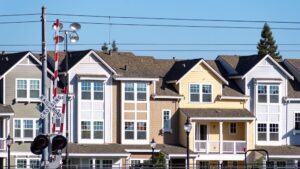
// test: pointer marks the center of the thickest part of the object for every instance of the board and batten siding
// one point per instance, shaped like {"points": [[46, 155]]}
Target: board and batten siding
{"points": [[270, 71], [90, 65], [22, 109]]}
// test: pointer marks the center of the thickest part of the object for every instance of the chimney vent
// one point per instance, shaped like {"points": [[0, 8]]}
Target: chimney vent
{"points": [[125, 68]]}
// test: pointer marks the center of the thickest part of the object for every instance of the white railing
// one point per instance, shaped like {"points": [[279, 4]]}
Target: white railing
{"points": [[2, 144], [229, 147]]}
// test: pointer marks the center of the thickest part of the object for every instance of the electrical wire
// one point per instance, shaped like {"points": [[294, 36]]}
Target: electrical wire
{"points": [[17, 22], [175, 19], [14, 15]]}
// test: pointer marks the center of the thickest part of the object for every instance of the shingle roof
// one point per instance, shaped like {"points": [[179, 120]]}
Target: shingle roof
{"points": [[6, 109], [121, 148], [216, 113], [241, 64], [293, 85], [281, 150], [9, 60]]}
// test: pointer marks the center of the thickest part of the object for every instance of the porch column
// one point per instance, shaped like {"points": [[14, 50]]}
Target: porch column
{"points": [[246, 134], [221, 137], [8, 126]]}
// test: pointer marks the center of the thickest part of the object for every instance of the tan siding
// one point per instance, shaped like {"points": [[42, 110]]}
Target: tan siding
{"points": [[182, 134], [141, 106], [129, 106], [141, 116], [129, 116], [201, 74], [140, 156], [156, 107], [116, 112]]}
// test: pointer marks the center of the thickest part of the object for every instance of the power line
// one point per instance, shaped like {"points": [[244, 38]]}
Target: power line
{"points": [[18, 22], [14, 15], [176, 19], [181, 26]]}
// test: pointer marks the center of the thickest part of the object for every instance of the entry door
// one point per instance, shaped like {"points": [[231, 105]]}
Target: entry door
{"points": [[201, 137]]}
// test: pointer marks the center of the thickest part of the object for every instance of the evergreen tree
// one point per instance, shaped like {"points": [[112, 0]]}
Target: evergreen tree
{"points": [[114, 46], [267, 44], [104, 47]]}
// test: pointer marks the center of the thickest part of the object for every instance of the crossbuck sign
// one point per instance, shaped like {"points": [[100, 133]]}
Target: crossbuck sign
{"points": [[50, 106]]}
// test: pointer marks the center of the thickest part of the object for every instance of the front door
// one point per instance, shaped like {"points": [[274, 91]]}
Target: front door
{"points": [[201, 137]]}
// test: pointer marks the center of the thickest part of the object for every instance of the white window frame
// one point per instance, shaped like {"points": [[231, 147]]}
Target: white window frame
{"points": [[91, 130], [236, 129], [268, 93], [166, 130], [22, 138], [200, 93], [268, 141], [295, 130], [135, 92], [28, 98], [27, 161]]}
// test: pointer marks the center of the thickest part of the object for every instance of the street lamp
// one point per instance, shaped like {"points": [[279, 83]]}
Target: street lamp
{"points": [[71, 33], [153, 145], [187, 128], [8, 144]]}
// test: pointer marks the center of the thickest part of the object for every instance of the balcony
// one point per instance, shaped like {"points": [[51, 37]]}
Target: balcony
{"points": [[227, 147], [2, 144]]}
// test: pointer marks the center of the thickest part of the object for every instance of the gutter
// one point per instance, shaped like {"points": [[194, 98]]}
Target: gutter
{"points": [[166, 97], [234, 98]]}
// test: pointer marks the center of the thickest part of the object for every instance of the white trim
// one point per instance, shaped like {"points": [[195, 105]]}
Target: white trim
{"points": [[136, 79], [224, 118], [273, 61], [284, 156], [98, 57], [182, 155], [209, 67], [6, 114], [294, 120], [28, 98], [22, 138], [291, 99], [4, 91], [201, 93], [234, 98], [166, 97], [166, 130], [93, 78], [142, 150], [223, 157]]}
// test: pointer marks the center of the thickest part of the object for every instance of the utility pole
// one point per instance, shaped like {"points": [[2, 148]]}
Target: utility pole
{"points": [[45, 156], [67, 96]]}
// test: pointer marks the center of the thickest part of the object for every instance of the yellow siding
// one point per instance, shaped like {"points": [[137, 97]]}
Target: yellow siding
{"points": [[214, 131], [182, 134], [250, 136], [240, 131], [201, 74]]}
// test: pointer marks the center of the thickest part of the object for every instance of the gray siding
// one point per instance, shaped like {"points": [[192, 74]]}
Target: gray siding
{"points": [[292, 138]]}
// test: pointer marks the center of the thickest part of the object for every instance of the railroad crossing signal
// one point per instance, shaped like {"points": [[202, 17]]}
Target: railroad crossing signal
{"points": [[50, 106]]}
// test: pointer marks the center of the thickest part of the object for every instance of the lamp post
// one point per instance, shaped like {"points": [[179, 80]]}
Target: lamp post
{"points": [[8, 144], [187, 128], [153, 146], [71, 33]]}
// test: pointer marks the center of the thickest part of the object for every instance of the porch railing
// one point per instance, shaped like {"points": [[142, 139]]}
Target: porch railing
{"points": [[229, 147], [2, 144]]}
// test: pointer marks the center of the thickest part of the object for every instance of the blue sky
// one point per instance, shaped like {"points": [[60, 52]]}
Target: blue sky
{"points": [[277, 10]]}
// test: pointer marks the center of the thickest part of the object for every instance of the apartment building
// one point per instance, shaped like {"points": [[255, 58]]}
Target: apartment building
{"points": [[271, 90]]}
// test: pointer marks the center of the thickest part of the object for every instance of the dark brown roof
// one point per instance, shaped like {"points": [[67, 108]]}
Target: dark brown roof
{"points": [[9, 60], [232, 88], [281, 150], [91, 75], [122, 148], [295, 63], [293, 85], [216, 113], [6, 109], [241, 64]]}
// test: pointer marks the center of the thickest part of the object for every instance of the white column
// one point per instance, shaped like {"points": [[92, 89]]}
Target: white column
{"points": [[221, 136], [8, 126], [296, 163]]}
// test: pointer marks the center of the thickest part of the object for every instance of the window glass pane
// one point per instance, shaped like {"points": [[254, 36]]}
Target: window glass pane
{"points": [[17, 128], [262, 93], [22, 89], [274, 94], [262, 132], [129, 130], [141, 91], [232, 128], [107, 164], [34, 88], [167, 124], [129, 91], [28, 128], [34, 164], [141, 130], [21, 163], [141, 87], [141, 96], [98, 90], [297, 121], [194, 93], [86, 129], [98, 130], [86, 90], [274, 132], [206, 93]]}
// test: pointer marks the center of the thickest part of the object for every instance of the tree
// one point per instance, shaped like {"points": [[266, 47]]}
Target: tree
{"points": [[267, 44], [114, 46], [104, 47]]}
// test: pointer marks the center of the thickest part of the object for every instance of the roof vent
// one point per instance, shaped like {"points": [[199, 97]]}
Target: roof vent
{"points": [[183, 64], [125, 67], [6, 58]]}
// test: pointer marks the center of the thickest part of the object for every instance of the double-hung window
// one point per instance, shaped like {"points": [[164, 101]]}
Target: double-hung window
{"points": [[141, 91], [129, 130], [166, 120], [297, 121], [85, 90], [274, 134], [206, 93], [135, 91], [129, 91], [98, 90], [28, 88], [268, 93], [85, 129], [141, 130], [98, 129], [232, 129], [27, 163], [194, 92], [262, 131], [25, 128]]}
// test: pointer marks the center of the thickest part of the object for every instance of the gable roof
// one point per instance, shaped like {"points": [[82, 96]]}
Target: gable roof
{"points": [[10, 60], [244, 64], [181, 68], [217, 113]]}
